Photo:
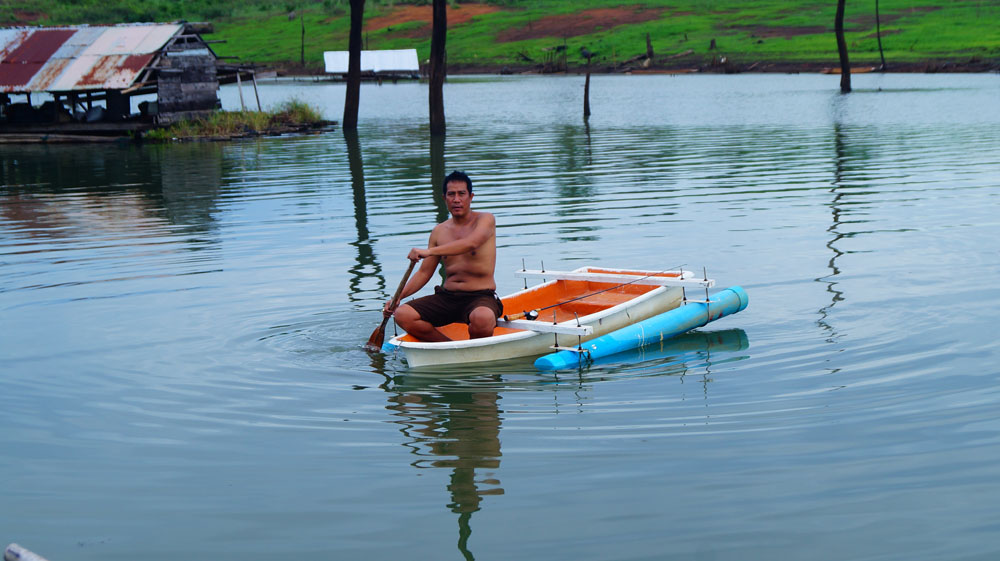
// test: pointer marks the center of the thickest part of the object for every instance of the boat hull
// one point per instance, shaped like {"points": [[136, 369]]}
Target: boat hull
{"points": [[514, 343]]}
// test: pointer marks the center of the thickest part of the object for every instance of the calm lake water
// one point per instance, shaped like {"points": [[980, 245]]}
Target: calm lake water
{"points": [[181, 329]]}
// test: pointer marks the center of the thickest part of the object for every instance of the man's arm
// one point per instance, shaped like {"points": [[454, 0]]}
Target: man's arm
{"points": [[486, 227], [419, 278]]}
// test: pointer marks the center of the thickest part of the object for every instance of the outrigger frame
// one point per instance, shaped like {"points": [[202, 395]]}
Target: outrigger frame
{"points": [[687, 279]]}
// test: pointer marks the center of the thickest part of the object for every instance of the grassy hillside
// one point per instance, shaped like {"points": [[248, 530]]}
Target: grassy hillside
{"points": [[519, 34]]}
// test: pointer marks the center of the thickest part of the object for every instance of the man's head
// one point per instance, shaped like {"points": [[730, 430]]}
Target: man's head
{"points": [[457, 176], [457, 191]]}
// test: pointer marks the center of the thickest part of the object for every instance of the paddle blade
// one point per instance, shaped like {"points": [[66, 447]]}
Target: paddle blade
{"points": [[374, 343]]}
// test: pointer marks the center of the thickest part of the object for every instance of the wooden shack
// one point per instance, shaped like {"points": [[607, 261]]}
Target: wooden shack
{"points": [[87, 76]]}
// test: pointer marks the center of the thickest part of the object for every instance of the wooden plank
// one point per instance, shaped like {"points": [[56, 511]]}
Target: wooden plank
{"points": [[618, 278], [546, 327]]}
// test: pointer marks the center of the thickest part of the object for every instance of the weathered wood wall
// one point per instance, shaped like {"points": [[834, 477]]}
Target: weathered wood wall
{"points": [[188, 81]]}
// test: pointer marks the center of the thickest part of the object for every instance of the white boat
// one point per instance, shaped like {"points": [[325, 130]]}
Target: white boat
{"points": [[572, 308]]}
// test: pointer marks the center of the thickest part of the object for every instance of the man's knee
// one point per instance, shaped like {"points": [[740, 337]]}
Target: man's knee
{"points": [[482, 322], [405, 316]]}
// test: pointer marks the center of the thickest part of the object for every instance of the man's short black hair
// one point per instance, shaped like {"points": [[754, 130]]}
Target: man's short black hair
{"points": [[456, 176]]}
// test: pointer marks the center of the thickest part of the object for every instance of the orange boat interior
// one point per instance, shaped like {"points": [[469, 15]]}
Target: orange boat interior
{"points": [[574, 299]]}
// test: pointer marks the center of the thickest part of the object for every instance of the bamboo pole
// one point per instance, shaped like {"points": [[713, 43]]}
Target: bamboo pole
{"points": [[253, 76], [239, 86]]}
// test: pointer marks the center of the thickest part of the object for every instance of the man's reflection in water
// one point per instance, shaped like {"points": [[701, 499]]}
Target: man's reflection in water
{"points": [[456, 429]]}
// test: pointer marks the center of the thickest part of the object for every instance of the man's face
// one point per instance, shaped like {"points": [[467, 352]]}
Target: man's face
{"points": [[458, 198]]}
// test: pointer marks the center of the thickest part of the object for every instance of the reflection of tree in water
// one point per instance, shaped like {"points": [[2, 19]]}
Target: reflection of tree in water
{"points": [[395, 163], [840, 162], [437, 176], [457, 430], [574, 193], [365, 265], [437, 182]]}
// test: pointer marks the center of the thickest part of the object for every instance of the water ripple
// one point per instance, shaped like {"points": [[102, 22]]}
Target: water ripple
{"points": [[183, 323]]}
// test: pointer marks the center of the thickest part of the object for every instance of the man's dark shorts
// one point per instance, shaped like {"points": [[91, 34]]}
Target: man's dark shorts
{"points": [[450, 306]]}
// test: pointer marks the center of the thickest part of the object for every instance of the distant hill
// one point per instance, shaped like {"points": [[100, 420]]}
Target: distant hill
{"points": [[552, 35]]}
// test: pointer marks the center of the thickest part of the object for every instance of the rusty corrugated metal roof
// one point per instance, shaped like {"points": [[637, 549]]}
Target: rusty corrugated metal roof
{"points": [[62, 59]]}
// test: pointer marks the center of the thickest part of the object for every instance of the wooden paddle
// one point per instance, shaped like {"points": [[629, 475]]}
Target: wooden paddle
{"points": [[374, 343]]}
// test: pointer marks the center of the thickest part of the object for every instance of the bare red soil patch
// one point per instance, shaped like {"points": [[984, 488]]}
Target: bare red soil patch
{"points": [[406, 14], [22, 17], [868, 21], [583, 23]]}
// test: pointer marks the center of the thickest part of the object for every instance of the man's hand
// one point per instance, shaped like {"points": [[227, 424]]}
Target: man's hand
{"points": [[387, 309], [418, 253]]}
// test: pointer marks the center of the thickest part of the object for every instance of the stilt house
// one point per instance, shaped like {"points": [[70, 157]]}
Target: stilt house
{"points": [[88, 76]]}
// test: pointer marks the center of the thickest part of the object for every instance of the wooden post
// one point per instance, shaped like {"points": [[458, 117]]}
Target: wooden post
{"points": [[439, 33], [239, 86], [878, 36], [845, 65], [649, 47], [586, 93], [352, 97], [253, 76]]}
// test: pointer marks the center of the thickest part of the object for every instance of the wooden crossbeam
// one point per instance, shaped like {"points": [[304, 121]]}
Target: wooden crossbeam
{"points": [[546, 327], [651, 279]]}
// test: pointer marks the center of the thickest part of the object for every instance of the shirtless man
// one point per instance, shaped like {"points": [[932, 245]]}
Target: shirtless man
{"points": [[466, 244]]}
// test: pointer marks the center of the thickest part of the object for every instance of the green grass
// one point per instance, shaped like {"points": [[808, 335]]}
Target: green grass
{"points": [[228, 124], [912, 32], [261, 31]]}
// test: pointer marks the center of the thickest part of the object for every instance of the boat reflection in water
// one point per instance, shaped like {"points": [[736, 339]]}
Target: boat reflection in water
{"points": [[677, 350], [452, 418]]}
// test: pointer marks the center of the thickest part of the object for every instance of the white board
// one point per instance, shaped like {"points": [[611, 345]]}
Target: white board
{"points": [[399, 60]]}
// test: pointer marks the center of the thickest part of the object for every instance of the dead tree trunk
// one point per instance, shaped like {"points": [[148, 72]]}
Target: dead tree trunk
{"points": [[438, 68], [302, 40], [878, 36], [352, 97], [845, 65]]}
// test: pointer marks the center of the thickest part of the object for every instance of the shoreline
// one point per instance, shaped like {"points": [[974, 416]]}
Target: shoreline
{"points": [[691, 66]]}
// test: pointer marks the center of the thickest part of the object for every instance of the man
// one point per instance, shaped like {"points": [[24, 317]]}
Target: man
{"points": [[466, 244]]}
